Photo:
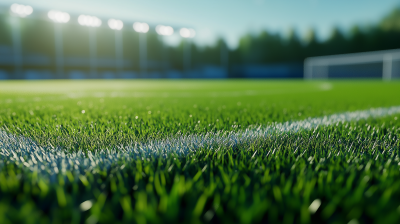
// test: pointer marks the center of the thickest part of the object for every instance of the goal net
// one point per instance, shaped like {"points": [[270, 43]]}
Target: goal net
{"points": [[375, 64]]}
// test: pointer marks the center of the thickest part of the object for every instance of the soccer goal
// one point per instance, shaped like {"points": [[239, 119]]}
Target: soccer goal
{"points": [[375, 64]]}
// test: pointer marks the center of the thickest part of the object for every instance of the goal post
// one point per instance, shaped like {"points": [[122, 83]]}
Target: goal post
{"points": [[384, 64]]}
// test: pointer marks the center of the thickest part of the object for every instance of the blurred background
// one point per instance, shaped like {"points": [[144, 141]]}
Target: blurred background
{"points": [[87, 39]]}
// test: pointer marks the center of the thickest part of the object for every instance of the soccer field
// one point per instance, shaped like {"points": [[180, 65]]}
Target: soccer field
{"points": [[196, 151]]}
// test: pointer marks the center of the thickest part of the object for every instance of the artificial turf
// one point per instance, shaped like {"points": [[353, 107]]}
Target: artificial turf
{"points": [[348, 172]]}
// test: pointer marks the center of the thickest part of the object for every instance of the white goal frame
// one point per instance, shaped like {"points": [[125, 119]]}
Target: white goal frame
{"points": [[323, 62]]}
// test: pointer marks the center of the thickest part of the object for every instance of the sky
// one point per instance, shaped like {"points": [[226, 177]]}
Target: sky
{"points": [[230, 19]]}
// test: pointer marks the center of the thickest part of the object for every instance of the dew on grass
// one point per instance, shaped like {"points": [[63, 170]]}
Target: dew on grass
{"points": [[86, 205], [208, 215], [314, 206], [353, 221]]}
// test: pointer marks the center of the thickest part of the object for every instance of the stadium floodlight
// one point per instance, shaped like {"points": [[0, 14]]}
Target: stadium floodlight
{"points": [[164, 30], [58, 16], [115, 24], [187, 32], [91, 21], [21, 10], [141, 27]]}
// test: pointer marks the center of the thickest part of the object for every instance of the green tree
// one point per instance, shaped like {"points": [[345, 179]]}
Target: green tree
{"points": [[337, 43], [391, 22]]}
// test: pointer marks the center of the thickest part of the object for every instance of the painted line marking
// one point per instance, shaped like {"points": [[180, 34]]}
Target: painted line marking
{"points": [[50, 161]]}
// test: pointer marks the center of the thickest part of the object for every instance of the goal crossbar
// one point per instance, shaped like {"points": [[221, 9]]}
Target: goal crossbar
{"points": [[386, 57]]}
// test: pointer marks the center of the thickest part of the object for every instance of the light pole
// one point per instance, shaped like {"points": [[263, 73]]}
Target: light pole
{"points": [[92, 52], [224, 56], [59, 17], [164, 31], [117, 25], [187, 33], [91, 22], [142, 29], [19, 11]]}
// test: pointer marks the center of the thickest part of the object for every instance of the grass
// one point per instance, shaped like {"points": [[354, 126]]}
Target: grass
{"points": [[348, 172]]}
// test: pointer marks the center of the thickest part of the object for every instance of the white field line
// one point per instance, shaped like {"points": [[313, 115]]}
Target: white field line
{"points": [[49, 161]]}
